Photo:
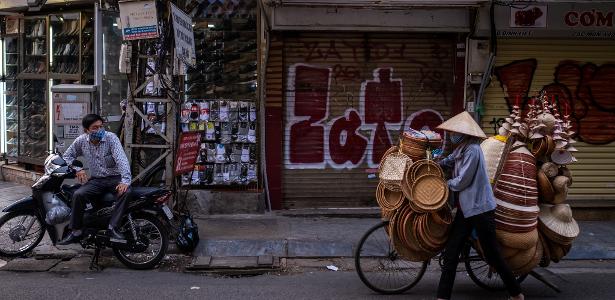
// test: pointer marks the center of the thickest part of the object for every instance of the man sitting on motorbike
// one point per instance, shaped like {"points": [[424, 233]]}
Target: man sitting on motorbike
{"points": [[110, 173]]}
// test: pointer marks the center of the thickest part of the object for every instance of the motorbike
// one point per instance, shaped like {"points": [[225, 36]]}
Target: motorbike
{"points": [[23, 226]]}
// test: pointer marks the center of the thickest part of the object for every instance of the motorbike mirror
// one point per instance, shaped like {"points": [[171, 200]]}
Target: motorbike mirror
{"points": [[77, 163]]}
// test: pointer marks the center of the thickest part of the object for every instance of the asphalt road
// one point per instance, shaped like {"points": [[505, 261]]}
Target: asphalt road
{"points": [[577, 282]]}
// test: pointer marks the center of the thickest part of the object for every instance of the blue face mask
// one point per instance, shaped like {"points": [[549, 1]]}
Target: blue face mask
{"points": [[98, 135], [456, 138]]}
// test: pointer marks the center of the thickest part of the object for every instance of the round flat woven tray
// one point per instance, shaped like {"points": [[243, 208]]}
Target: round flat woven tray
{"points": [[433, 233], [410, 251], [429, 192], [388, 200], [425, 167], [406, 183], [443, 216]]}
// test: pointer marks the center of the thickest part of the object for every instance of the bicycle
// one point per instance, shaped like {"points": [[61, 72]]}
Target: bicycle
{"points": [[375, 257]]}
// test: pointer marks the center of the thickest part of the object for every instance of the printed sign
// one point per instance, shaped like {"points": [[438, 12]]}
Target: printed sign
{"points": [[72, 131], [555, 20], [139, 20], [184, 36], [530, 16], [69, 113], [188, 151]]}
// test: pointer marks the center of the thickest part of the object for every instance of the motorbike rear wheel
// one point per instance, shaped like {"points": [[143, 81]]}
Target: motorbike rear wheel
{"points": [[20, 232], [153, 233]]}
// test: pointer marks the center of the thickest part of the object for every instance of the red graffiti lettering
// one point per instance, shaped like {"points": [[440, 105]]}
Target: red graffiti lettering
{"points": [[348, 72], [425, 119], [340, 143], [345, 144], [313, 51], [354, 47], [332, 51], [586, 89], [516, 78], [383, 99], [383, 104], [398, 51], [307, 135], [378, 51]]}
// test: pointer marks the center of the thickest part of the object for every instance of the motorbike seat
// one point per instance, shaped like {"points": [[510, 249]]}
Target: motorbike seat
{"points": [[70, 189], [143, 192], [71, 186]]}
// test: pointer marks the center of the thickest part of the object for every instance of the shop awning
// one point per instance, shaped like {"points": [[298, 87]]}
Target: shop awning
{"points": [[13, 5], [371, 15], [52, 2], [379, 3]]}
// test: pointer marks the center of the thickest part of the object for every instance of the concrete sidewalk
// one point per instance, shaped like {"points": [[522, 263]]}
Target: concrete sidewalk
{"points": [[297, 237], [306, 235]]}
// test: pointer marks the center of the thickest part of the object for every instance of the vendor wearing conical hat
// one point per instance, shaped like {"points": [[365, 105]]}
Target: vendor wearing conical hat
{"points": [[475, 203]]}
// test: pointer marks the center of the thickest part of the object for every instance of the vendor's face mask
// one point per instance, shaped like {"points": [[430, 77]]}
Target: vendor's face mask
{"points": [[456, 138]]}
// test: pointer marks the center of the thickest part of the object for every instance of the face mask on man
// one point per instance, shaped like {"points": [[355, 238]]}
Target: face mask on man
{"points": [[456, 138], [96, 136]]}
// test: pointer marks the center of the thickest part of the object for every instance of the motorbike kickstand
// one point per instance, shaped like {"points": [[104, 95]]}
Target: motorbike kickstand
{"points": [[94, 263]]}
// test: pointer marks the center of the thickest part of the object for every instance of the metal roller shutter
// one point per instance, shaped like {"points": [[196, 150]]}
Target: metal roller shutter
{"points": [[346, 98], [581, 73]]}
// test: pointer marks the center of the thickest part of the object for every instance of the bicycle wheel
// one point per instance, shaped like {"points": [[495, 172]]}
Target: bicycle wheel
{"points": [[481, 273], [381, 268]]}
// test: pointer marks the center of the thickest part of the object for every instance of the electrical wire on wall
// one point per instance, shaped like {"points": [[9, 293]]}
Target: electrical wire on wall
{"points": [[263, 95]]}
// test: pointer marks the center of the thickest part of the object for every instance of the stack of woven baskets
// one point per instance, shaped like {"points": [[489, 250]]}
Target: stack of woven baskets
{"points": [[533, 226], [413, 196], [517, 211], [415, 143]]}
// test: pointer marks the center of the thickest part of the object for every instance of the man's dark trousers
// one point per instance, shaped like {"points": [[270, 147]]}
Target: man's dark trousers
{"points": [[93, 190]]}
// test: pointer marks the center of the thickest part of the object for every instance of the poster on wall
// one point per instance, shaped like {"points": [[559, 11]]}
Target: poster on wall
{"points": [[187, 152], [139, 20], [12, 25], [534, 16], [70, 113], [71, 132], [184, 36]]}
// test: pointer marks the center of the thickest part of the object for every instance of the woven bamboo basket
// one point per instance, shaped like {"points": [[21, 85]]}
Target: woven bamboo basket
{"points": [[429, 193], [392, 168]]}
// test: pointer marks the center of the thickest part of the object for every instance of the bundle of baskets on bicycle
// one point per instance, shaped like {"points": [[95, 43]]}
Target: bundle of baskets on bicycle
{"points": [[527, 165]]}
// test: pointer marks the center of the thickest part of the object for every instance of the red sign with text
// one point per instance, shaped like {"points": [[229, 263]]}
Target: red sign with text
{"points": [[187, 152]]}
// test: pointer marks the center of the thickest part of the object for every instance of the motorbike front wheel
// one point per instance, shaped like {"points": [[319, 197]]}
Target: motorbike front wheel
{"points": [[20, 232], [151, 232]]}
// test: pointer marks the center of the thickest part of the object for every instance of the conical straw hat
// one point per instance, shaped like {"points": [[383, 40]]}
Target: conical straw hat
{"points": [[463, 123], [558, 218]]}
